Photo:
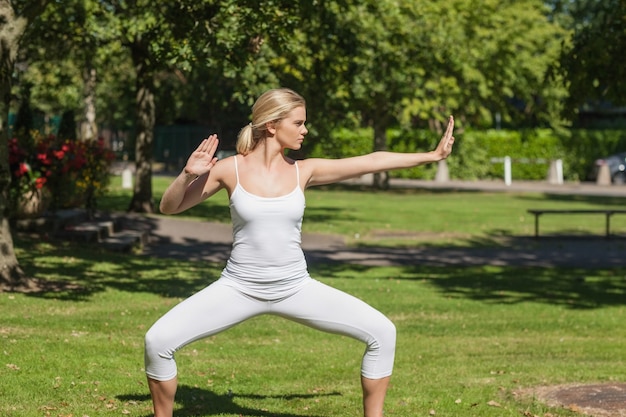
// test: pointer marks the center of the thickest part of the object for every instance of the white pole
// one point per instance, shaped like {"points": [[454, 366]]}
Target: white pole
{"points": [[127, 178], [507, 170], [559, 171]]}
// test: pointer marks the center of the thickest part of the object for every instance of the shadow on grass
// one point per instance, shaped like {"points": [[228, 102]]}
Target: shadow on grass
{"points": [[75, 272], [480, 274], [195, 401], [575, 288], [576, 272], [573, 198]]}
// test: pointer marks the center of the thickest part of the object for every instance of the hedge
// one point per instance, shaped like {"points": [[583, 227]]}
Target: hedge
{"points": [[478, 153]]}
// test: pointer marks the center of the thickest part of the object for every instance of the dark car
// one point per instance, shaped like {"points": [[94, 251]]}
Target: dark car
{"points": [[617, 168]]}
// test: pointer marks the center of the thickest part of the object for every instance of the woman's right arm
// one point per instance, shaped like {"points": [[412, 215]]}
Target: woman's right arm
{"points": [[197, 182]]}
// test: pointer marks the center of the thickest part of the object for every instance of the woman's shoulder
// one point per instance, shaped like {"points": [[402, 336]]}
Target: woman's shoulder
{"points": [[228, 160], [224, 168], [222, 175]]}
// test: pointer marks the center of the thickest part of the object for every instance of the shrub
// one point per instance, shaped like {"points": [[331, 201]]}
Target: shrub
{"points": [[478, 154], [71, 173]]}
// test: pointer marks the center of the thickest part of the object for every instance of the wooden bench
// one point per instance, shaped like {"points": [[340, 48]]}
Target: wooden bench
{"points": [[607, 213]]}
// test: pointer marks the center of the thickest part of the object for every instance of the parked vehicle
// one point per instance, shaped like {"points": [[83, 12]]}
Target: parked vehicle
{"points": [[617, 168]]}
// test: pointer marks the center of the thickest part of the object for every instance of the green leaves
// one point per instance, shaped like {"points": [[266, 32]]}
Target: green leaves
{"points": [[592, 61]]}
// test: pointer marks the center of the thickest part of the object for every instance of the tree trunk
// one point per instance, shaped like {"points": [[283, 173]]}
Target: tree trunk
{"points": [[12, 27], [142, 201], [88, 126], [381, 179]]}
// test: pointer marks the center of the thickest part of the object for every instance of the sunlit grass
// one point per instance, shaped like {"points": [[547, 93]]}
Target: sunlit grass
{"points": [[468, 338], [406, 217]]}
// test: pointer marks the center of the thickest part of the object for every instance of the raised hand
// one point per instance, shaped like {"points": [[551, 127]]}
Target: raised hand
{"points": [[444, 149], [203, 158]]}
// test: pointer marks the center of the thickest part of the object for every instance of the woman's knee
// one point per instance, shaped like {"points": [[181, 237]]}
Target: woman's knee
{"points": [[380, 352], [157, 343], [159, 356], [385, 334]]}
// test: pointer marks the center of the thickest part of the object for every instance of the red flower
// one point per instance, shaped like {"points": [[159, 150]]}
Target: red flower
{"points": [[66, 168], [43, 158], [40, 182], [22, 169]]}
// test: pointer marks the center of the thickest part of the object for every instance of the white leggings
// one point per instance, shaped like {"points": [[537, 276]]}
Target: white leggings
{"points": [[219, 307]]}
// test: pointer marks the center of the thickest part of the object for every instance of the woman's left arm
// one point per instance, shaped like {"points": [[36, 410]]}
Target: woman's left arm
{"points": [[327, 171]]}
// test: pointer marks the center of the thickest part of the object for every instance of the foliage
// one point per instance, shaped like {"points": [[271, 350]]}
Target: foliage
{"points": [[413, 140], [530, 150], [358, 141], [496, 56], [470, 159], [344, 143], [359, 63], [386, 61], [592, 60], [74, 173], [584, 146]]}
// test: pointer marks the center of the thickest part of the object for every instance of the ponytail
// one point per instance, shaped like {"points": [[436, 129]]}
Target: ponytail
{"points": [[245, 142]]}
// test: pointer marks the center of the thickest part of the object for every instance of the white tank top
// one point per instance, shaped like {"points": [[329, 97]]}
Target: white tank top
{"points": [[266, 260]]}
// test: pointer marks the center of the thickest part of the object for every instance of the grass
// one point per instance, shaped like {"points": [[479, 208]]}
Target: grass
{"points": [[468, 337], [406, 217]]}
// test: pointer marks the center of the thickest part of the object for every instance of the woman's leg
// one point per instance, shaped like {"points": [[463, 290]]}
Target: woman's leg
{"points": [[325, 308], [214, 309], [163, 393], [374, 391]]}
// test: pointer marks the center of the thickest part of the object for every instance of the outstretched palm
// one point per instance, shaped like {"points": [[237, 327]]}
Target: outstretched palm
{"points": [[444, 148], [203, 158]]}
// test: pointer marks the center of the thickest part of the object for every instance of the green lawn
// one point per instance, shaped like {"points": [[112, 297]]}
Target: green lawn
{"points": [[411, 216], [468, 337]]}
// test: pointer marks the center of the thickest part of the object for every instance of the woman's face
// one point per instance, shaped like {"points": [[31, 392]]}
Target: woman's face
{"points": [[291, 130]]}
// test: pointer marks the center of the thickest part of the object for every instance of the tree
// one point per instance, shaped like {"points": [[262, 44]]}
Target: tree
{"points": [[61, 63], [164, 36], [413, 63], [357, 61], [14, 19], [592, 60], [490, 59]]}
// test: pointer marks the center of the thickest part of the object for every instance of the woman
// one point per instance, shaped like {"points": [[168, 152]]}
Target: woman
{"points": [[267, 272]]}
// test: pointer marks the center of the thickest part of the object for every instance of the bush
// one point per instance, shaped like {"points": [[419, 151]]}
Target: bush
{"points": [[72, 173], [584, 146], [344, 143], [418, 140], [476, 152]]}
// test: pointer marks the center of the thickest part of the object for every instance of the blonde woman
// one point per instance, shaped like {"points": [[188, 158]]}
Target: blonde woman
{"points": [[267, 272]]}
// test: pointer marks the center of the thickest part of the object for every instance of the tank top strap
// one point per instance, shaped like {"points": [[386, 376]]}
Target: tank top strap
{"points": [[297, 173], [236, 169]]}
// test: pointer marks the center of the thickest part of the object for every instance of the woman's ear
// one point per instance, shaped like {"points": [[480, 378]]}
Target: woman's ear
{"points": [[271, 127]]}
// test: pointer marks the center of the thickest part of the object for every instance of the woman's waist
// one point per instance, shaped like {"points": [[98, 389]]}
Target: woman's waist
{"points": [[288, 265]]}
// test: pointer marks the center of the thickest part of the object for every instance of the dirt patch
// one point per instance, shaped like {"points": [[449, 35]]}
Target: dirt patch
{"points": [[599, 400]]}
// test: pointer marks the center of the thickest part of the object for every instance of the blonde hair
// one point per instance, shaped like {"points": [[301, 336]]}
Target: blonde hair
{"points": [[272, 106]]}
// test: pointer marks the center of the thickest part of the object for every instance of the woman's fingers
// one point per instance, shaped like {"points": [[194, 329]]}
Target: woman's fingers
{"points": [[202, 145], [212, 144], [209, 144], [450, 128]]}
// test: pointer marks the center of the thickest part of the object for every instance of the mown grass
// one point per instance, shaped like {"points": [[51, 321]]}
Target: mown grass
{"points": [[468, 337], [406, 217]]}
